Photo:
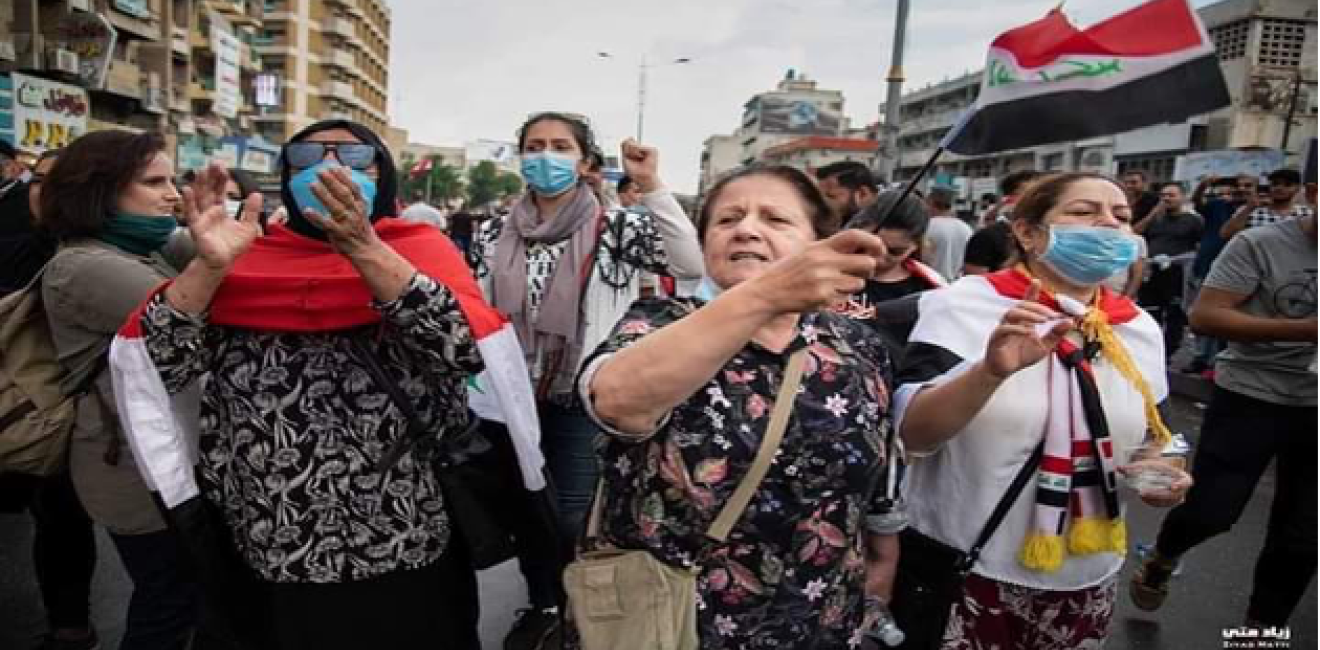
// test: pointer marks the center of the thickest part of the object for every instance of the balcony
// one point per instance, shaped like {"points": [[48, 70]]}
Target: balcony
{"points": [[179, 40], [124, 79], [249, 60], [339, 90], [342, 59], [339, 27]]}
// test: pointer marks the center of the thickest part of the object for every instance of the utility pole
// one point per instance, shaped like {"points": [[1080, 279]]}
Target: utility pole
{"points": [[1292, 110], [641, 96], [888, 163]]}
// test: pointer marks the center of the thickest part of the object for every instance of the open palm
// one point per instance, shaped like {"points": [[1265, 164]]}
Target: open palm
{"points": [[220, 239]]}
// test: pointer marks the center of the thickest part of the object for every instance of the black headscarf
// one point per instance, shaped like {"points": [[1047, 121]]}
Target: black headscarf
{"points": [[386, 183]]}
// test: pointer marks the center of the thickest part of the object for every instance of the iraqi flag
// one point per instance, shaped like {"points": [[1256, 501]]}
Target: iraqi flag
{"points": [[293, 284], [422, 168], [1051, 82]]}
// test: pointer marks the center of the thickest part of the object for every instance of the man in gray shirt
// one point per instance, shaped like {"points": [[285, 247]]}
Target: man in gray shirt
{"points": [[1260, 296], [946, 234]]}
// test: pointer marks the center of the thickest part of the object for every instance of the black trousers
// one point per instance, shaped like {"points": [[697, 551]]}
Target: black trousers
{"points": [[63, 547], [1162, 294], [1239, 438], [164, 609], [530, 516], [432, 607]]}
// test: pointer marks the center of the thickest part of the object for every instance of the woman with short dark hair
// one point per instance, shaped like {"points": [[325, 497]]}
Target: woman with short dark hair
{"points": [[684, 390], [109, 200]]}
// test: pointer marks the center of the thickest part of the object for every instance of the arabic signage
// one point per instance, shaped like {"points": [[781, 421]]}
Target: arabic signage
{"points": [[47, 114], [253, 154], [92, 38], [1228, 162], [228, 94], [798, 117]]}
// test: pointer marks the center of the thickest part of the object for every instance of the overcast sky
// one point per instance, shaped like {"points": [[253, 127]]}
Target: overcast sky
{"points": [[471, 69]]}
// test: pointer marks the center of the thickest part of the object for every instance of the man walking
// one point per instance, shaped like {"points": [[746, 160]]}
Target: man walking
{"points": [[1260, 296], [1172, 233]]}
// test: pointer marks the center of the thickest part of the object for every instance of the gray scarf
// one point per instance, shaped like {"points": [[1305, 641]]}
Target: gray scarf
{"points": [[556, 335]]}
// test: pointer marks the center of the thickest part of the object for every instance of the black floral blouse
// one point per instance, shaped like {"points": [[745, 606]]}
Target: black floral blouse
{"points": [[792, 571], [292, 426]]}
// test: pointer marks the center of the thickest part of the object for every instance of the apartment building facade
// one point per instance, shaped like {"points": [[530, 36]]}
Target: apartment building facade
{"points": [[332, 60]]}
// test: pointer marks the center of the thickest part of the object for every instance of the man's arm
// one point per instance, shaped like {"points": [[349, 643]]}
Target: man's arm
{"points": [[1216, 314], [1238, 222]]}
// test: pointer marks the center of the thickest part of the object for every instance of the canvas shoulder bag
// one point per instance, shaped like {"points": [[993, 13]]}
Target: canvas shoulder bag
{"points": [[38, 398], [626, 598]]}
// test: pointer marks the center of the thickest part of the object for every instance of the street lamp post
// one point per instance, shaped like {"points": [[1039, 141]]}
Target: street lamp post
{"points": [[889, 167], [642, 67]]}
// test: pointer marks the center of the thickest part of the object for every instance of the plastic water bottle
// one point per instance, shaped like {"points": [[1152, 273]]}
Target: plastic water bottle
{"points": [[886, 630]]}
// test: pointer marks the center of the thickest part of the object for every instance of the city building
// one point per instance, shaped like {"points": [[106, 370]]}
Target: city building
{"points": [[817, 151], [796, 108], [1267, 52], [332, 60], [184, 67]]}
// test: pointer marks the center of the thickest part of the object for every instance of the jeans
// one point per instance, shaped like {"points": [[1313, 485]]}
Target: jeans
{"points": [[164, 607], [568, 439], [1239, 438]]}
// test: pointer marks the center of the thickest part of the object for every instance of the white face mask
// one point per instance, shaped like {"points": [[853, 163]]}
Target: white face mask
{"points": [[233, 207]]}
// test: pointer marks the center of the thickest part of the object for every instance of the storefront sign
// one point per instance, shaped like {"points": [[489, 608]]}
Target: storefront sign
{"points": [[47, 114], [228, 95], [92, 38]]}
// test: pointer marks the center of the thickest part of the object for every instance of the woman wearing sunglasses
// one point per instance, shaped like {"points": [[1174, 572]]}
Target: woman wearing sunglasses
{"points": [[285, 333]]}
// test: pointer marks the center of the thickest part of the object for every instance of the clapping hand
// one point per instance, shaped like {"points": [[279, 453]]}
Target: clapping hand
{"points": [[347, 227], [219, 237]]}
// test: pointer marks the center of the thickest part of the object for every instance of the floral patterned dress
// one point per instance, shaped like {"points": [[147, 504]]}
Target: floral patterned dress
{"points": [[792, 571]]}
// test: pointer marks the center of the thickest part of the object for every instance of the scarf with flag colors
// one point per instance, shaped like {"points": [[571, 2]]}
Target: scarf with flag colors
{"points": [[288, 283], [1077, 510], [1049, 81]]}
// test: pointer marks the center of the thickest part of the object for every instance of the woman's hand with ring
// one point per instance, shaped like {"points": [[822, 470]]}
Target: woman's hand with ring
{"points": [[347, 227]]}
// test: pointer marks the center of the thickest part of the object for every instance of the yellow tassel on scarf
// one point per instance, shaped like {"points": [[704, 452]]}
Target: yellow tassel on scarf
{"points": [[1095, 327], [1097, 535], [1042, 552]]}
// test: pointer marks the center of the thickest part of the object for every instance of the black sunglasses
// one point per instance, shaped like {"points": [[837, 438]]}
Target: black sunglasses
{"points": [[351, 154]]}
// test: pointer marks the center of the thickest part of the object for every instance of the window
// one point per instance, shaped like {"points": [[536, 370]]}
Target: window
{"points": [[1231, 39], [1281, 42]]}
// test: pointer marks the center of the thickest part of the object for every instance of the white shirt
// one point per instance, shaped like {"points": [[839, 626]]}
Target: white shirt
{"points": [[952, 491]]}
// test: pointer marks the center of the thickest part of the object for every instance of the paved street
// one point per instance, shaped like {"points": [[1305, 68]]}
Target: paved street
{"points": [[1211, 594]]}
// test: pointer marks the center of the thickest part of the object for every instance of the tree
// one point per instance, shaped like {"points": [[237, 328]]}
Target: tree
{"points": [[440, 185], [483, 184], [508, 183]]}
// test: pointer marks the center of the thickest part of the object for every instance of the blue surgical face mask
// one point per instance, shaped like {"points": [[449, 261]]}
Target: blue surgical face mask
{"points": [[1089, 255], [549, 174], [708, 290], [300, 185]]}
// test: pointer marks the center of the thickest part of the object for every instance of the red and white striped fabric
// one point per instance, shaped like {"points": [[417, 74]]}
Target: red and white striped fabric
{"points": [[293, 284]]}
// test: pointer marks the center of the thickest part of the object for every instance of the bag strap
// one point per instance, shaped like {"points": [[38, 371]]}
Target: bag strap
{"points": [[416, 430], [1005, 504], [742, 495], [774, 435]]}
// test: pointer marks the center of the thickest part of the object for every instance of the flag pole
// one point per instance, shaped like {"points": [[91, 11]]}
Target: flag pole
{"points": [[909, 187]]}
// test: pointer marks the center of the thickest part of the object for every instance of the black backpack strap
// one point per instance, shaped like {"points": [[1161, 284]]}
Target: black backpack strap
{"points": [[1010, 497]]}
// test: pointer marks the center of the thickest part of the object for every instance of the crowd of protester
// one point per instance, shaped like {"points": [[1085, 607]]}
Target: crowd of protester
{"points": [[324, 351]]}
